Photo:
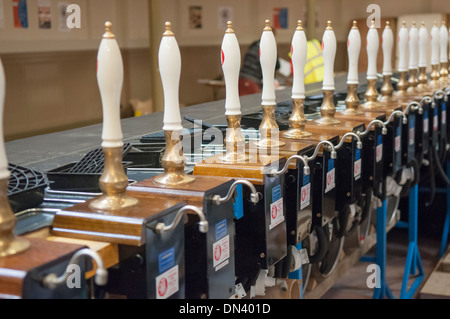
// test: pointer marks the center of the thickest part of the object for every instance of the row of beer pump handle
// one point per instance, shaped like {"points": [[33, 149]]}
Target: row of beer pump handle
{"points": [[114, 181]]}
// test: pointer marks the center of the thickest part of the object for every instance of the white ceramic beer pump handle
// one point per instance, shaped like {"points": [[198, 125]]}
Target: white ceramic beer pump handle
{"points": [[4, 172], [435, 43], [169, 59], [298, 58], [373, 43], [387, 45], [403, 35], [413, 47], [329, 54], [353, 50], [231, 63], [268, 60], [110, 80], [423, 46], [443, 37]]}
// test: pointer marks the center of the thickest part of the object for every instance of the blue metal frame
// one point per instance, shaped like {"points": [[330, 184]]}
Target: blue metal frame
{"points": [[382, 290], [298, 274], [413, 260]]}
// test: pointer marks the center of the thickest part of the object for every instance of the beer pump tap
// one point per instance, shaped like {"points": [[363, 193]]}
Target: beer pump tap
{"points": [[230, 60], [387, 44], [268, 128], [435, 43], [353, 50], [402, 68], [328, 109], [443, 58], [113, 181], [413, 59], [372, 46], [173, 160], [423, 47], [297, 119]]}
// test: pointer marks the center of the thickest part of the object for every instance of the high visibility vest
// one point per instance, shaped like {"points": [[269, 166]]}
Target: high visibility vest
{"points": [[314, 62]]}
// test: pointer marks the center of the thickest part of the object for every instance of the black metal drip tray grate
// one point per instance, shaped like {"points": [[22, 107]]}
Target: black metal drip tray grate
{"points": [[25, 187], [93, 162], [83, 175]]}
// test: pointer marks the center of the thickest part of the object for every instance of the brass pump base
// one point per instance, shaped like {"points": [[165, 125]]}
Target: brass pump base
{"points": [[371, 96], [266, 129], [234, 142], [402, 85], [113, 183], [297, 121], [387, 91], [352, 101], [173, 162], [413, 81], [434, 82], [327, 110], [423, 80], [443, 73], [9, 243]]}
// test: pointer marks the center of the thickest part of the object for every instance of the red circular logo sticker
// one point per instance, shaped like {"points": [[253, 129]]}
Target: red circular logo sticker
{"points": [[303, 195], [222, 57], [217, 252], [274, 211], [162, 287]]}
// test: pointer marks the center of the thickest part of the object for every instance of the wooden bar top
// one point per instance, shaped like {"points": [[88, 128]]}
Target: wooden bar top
{"points": [[252, 170], [14, 269], [365, 117], [191, 193], [123, 226]]}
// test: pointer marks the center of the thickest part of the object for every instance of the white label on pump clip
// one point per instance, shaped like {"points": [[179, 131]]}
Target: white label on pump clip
{"points": [[357, 165], [330, 182], [305, 192], [276, 208], [379, 154], [167, 281]]}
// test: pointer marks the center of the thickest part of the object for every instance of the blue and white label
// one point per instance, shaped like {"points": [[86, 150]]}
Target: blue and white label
{"points": [[166, 260], [167, 283], [330, 182], [276, 208], [357, 165], [221, 229], [305, 192], [276, 193]]}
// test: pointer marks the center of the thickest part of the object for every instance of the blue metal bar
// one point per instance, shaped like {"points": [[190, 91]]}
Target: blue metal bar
{"points": [[413, 260], [401, 224], [383, 290], [298, 274]]}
